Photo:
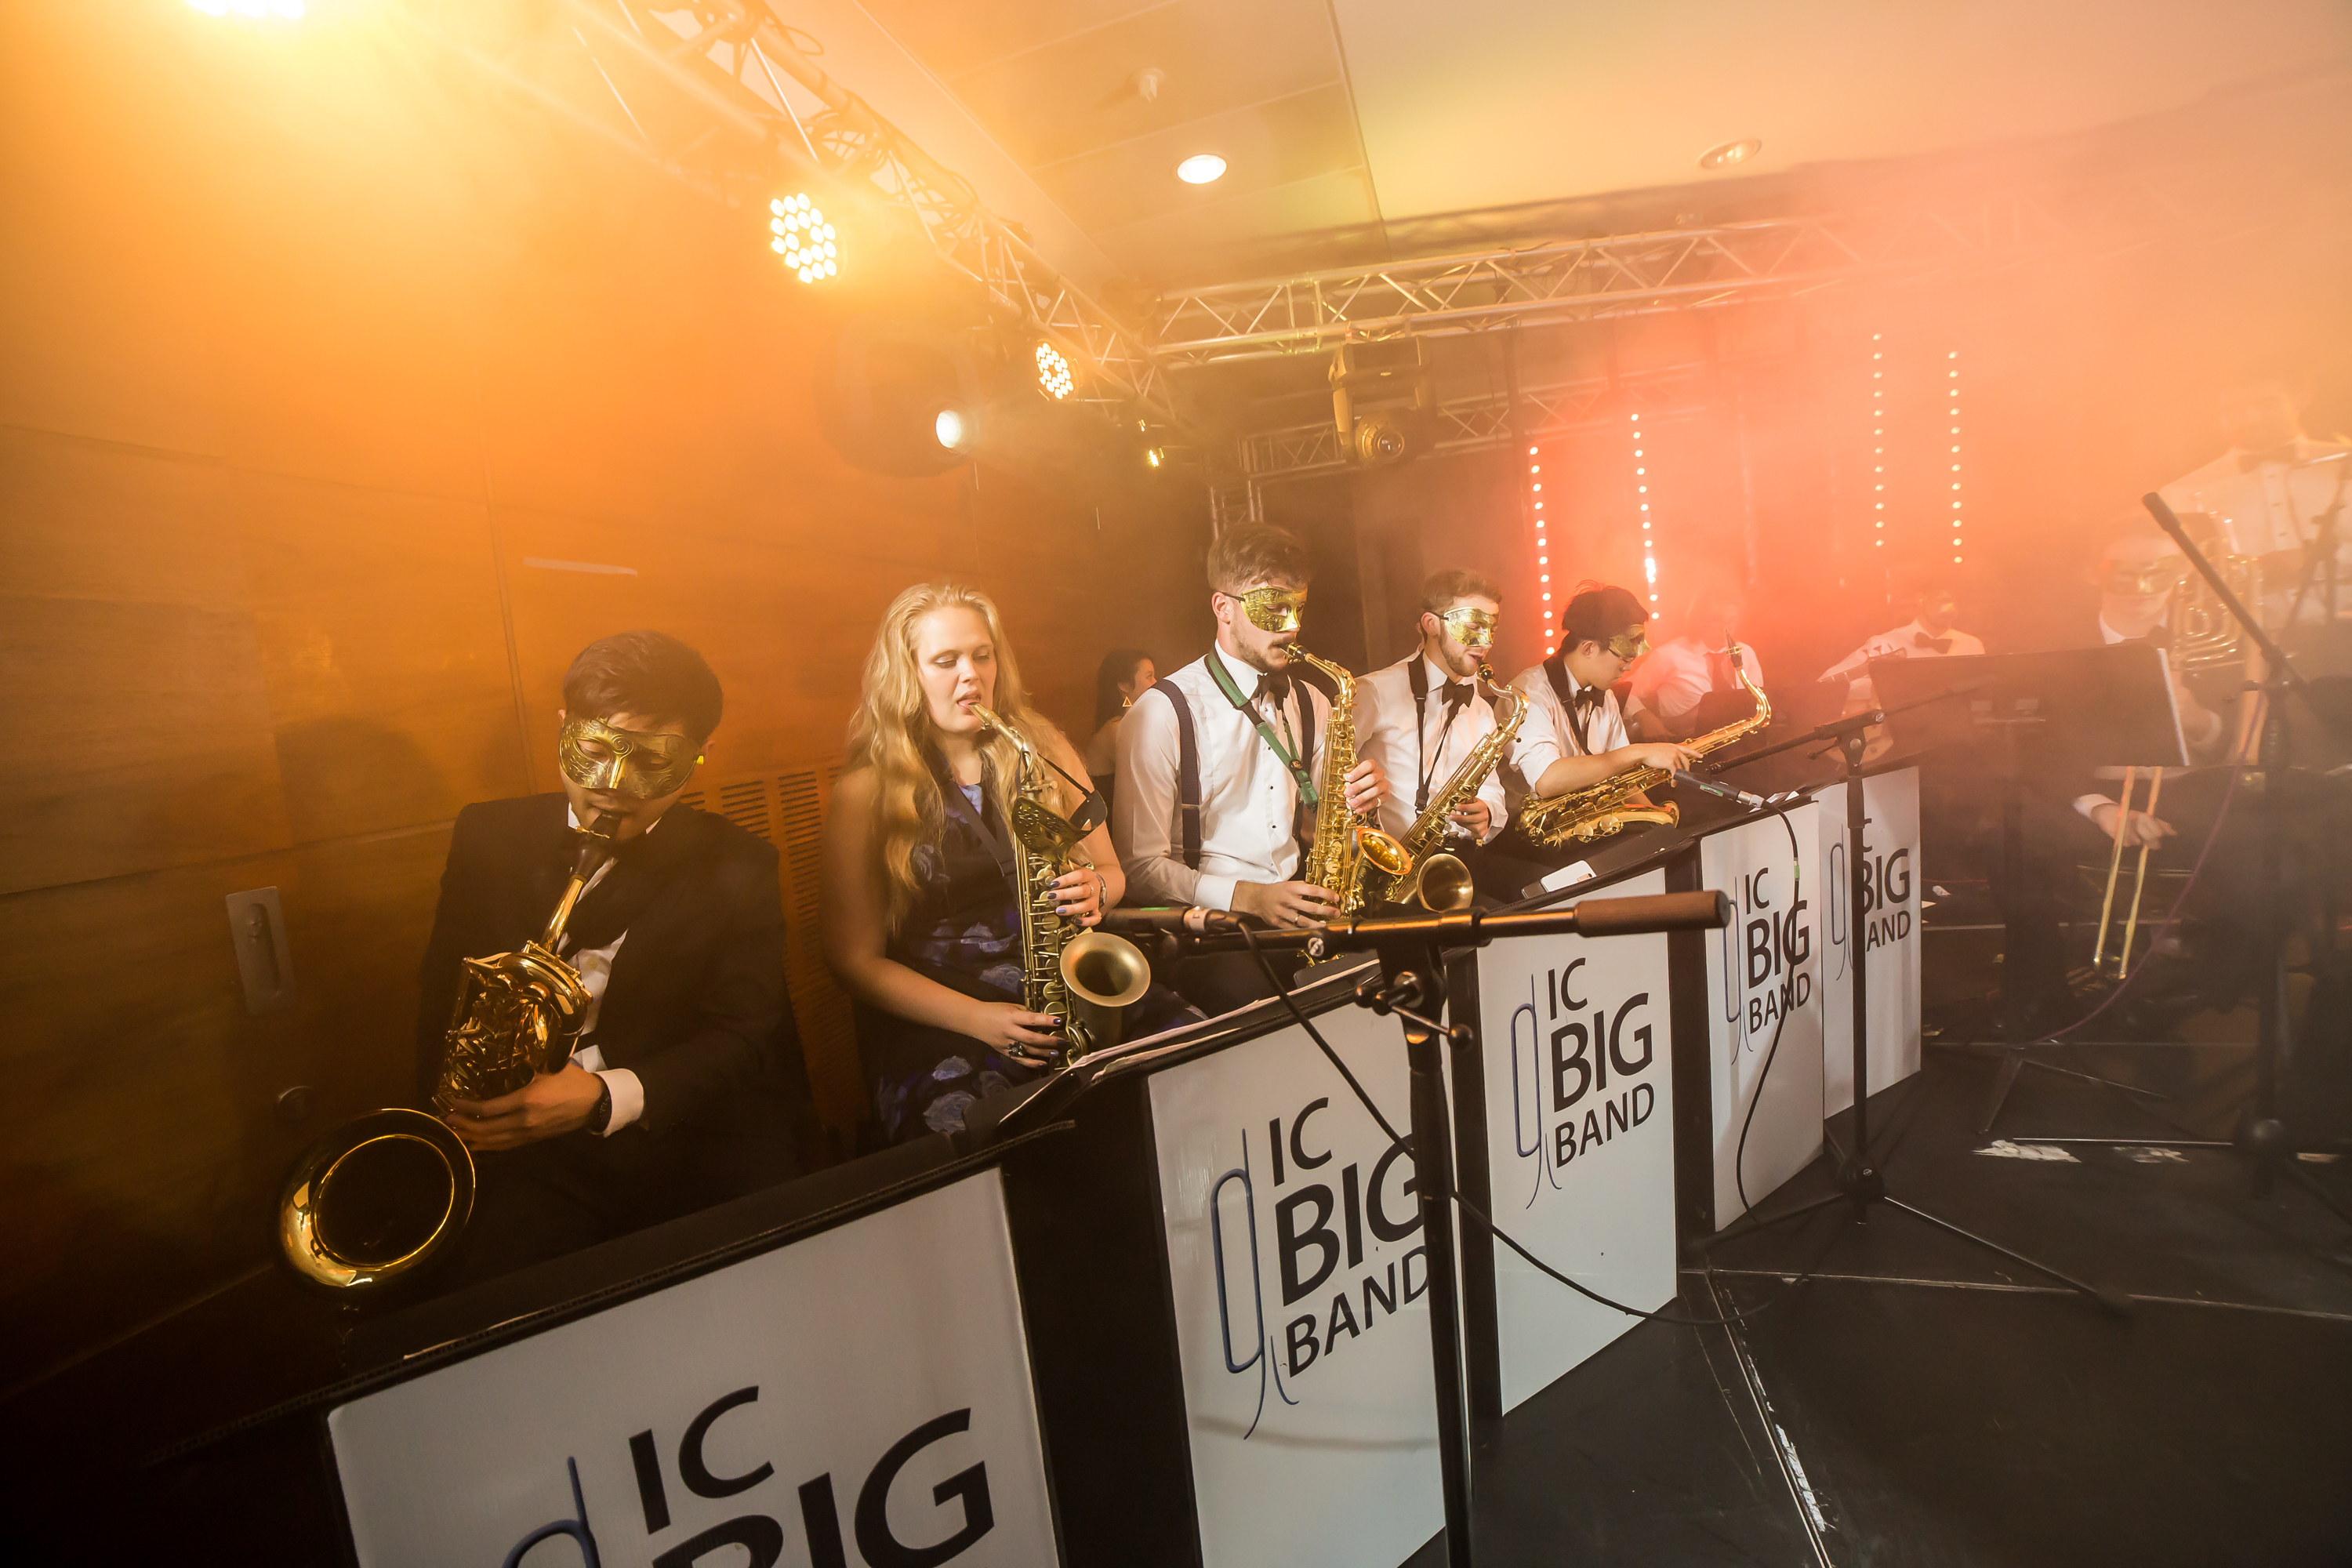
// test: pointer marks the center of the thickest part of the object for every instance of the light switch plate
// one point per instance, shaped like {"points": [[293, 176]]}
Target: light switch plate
{"points": [[258, 926]]}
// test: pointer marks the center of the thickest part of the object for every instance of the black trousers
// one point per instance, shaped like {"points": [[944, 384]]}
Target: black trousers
{"points": [[544, 1200]]}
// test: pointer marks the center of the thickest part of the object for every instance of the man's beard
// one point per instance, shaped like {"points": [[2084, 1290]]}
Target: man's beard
{"points": [[1262, 661]]}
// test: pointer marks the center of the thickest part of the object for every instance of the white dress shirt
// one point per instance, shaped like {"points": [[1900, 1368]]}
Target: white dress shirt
{"points": [[2263, 507], [1384, 732], [1248, 799], [1910, 640], [1676, 676], [594, 965], [1548, 735]]}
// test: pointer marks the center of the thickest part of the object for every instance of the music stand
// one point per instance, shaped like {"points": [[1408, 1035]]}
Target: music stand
{"points": [[1860, 1182], [2044, 713]]}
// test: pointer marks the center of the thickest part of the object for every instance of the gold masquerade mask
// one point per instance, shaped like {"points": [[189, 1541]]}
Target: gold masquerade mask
{"points": [[1631, 642], [2121, 577], [1470, 628], [594, 755], [1273, 609]]}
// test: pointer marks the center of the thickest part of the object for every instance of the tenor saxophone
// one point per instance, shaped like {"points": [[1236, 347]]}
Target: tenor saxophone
{"points": [[1605, 809], [1437, 877], [1348, 845], [1083, 977]]}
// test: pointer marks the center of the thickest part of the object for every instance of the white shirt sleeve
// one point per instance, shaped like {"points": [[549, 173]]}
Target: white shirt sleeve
{"points": [[628, 1097], [1144, 825], [1538, 745]]}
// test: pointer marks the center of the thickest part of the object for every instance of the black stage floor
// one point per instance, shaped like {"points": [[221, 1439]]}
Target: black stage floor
{"points": [[1916, 1401]]}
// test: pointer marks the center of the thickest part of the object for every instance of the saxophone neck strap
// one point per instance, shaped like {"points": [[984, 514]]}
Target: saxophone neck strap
{"points": [[1424, 770], [1248, 710], [993, 828]]}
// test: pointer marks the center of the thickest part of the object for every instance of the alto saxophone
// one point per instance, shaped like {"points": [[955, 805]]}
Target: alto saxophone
{"points": [[1605, 809], [1345, 843], [1438, 877], [1082, 977]]}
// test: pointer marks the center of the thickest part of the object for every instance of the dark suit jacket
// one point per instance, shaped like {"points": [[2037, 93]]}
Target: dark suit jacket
{"points": [[695, 1006]]}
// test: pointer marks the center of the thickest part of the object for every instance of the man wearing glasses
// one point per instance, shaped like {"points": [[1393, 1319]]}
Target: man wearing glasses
{"points": [[1575, 732], [1421, 717]]}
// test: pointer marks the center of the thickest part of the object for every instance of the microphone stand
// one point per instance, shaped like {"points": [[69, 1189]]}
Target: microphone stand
{"points": [[1860, 1182], [2260, 1135], [1411, 985]]}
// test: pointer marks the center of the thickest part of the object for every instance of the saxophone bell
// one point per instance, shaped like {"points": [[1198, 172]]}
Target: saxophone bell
{"points": [[382, 1196]]}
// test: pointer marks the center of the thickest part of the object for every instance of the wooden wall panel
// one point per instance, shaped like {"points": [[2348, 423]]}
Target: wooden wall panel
{"points": [[384, 650], [146, 1166], [127, 639]]}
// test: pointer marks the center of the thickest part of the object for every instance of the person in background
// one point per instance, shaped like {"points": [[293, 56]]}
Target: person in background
{"points": [[921, 917], [686, 1081], [1220, 764], [1421, 717], [2266, 495], [1124, 675], [1687, 686], [1929, 634]]}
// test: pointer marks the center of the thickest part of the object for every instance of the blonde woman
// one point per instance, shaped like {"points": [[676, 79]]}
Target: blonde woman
{"points": [[919, 917]]}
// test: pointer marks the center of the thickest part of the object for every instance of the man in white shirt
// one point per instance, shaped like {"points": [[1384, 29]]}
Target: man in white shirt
{"points": [[1674, 680], [1575, 733], [1219, 763], [1420, 718], [1927, 635], [2267, 496]]}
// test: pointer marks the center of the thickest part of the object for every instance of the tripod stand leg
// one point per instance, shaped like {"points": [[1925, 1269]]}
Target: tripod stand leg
{"points": [[2013, 1062], [2114, 1302]]}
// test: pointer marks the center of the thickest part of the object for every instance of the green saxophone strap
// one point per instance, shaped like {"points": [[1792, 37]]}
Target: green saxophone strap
{"points": [[1224, 680]]}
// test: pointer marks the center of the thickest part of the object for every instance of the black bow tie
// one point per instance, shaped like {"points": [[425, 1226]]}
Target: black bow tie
{"points": [[1457, 695], [1588, 697], [1941, 645], [1274, 690]]}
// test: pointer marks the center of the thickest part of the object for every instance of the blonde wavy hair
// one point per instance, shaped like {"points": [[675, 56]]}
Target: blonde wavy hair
{"points": [[890, 733]]}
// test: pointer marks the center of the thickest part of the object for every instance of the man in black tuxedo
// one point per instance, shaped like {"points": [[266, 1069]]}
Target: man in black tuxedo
{"points": [[682, 1088]]}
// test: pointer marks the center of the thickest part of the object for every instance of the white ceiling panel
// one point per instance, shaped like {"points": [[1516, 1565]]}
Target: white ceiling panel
{"points": [[1511, 101]]}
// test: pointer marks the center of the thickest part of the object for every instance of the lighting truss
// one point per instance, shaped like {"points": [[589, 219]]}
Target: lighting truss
{"points": [[1687, 269], [1468, 424], [734, 57]]}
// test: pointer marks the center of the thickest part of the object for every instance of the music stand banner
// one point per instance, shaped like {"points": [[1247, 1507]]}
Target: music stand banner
{"points": [[1890, 923], [862, 1395], [1763, 968], [1579, 1128], [1300, 1294]]}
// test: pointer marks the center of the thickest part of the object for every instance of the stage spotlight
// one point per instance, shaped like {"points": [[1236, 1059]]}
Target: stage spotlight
{"points": [[1154, 457], [802, 238], [1054, 372], [948, 428], [1200, 168], [1380, 441], [1730, 152]]}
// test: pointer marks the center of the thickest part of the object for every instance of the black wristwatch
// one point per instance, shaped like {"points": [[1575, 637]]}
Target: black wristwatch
{"points": [[599, 1116]]}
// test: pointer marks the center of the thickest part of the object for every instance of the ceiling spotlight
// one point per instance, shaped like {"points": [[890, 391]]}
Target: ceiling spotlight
{"points": [[1730, 152], [802, 238], [1200, 168], [1052, 373], [948, 428], [1153, 458]]}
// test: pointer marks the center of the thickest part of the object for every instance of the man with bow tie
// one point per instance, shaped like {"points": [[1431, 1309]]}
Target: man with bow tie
{"points": [[1927, 635], [683, 1088], [1575, 732], [1421, 717], [1690, 685], [1219, 763]]}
